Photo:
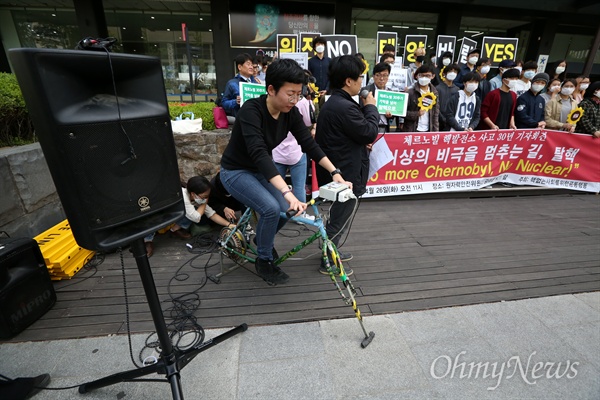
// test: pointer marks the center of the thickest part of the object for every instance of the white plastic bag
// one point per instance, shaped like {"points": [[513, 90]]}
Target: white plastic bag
{"points": [[185, 126]]}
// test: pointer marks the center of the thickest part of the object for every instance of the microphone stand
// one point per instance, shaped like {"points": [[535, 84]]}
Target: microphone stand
{"points": [[171, 361]]}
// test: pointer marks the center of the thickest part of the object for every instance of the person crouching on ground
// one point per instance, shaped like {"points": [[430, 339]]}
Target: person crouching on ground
{"points": [[195, 195]]}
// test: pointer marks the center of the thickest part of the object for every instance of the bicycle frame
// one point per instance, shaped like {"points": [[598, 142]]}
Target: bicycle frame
{"points": [[240, 235]]}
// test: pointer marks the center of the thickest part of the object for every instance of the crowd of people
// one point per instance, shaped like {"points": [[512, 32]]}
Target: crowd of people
{"points": [[280, 132], [468, 98]]}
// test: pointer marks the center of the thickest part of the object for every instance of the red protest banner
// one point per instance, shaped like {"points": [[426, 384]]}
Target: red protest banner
{"points": [[430, 162]]}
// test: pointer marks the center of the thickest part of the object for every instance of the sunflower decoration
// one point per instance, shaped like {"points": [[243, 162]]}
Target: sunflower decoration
{"points": [[442, 72], [574, 116], [366, 66], [315, 91], [427, 101]]}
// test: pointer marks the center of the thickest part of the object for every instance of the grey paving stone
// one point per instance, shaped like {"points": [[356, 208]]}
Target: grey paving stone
{"points": [[561, 310], [512, 330], [438, 325], [585, 339], [386, 365], [297, 378], [592, 299], [276, 342]]}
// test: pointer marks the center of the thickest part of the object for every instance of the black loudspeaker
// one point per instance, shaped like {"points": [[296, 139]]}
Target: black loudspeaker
{"points": [[103, 123], [26, 291]]}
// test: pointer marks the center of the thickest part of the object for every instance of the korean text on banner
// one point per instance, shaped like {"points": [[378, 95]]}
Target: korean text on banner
{"points": [[434, 162]]}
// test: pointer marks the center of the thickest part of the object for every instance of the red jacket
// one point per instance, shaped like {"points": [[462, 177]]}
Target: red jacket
{"points": [[490, 106]]}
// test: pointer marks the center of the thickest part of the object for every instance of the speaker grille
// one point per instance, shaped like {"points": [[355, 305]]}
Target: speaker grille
{"points": [[113, 186]]}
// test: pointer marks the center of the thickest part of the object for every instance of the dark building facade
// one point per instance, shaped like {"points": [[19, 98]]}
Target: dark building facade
{"points": [[217, 30]]}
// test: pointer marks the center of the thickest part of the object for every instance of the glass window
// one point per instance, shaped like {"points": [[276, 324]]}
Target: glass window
{"points": [[46, 28], [150, 31]]}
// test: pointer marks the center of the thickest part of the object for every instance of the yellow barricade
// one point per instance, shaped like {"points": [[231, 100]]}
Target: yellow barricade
{"points": [[63, 256]]}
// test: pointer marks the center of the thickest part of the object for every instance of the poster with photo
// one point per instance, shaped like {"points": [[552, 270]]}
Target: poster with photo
{"points": [[257, 25]]}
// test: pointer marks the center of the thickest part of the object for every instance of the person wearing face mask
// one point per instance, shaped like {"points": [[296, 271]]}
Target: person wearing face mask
{"points": [[483, 68], [498, 108], [418, 119], [583, 82], [446, 90], [446, 58], [496, 81], [419, 56], [531, 105], [472, 58], [464, 108], [551, 90], [590, 120], [195, 196], [318, 65], [528, 72], [559, 108], [442, 62], [558, 70]]}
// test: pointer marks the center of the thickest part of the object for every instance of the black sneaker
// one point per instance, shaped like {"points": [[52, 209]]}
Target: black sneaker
{"points": [[270, 273], [345, 256], [336, 271]]}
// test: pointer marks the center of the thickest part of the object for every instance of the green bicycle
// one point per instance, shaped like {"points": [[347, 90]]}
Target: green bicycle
{"points": [[236, 245]]}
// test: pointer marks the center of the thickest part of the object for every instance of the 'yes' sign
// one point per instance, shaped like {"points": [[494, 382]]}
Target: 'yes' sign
{"points": [[498, 49]]}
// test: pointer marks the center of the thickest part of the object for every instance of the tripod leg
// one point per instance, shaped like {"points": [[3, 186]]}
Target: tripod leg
{"points": [[168, 358], [170, 363]]}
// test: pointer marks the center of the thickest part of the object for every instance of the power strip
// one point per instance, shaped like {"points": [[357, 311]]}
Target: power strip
{"points": [[335, 191]]}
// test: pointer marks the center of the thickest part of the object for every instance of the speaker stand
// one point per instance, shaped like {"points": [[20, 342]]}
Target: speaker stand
{"points": [[171, 361]]}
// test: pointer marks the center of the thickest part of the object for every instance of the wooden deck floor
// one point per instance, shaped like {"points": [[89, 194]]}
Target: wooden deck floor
{"points": [[409, 254]]}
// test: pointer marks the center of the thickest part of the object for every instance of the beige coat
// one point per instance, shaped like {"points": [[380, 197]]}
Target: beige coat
{"points": [[553, 108]]}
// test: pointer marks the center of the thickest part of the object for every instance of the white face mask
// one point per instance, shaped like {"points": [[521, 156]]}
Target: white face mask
{"points": [[584, 86], [451, 76], [424, 81], [199, 201], [320, 48], [529, 74], [567, 91], [597, 94], [519, 69], [555, 88], [485, 69], [512, 83], [537, 88], [446, 62], [560, 70], [471, 87], [473, 60]]}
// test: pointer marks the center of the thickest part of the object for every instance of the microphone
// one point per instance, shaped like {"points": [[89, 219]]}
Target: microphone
{"points": [[364, 93]]}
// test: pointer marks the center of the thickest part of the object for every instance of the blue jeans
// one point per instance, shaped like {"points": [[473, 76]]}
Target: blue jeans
{"points": [[253, 190], [298, 174]]}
